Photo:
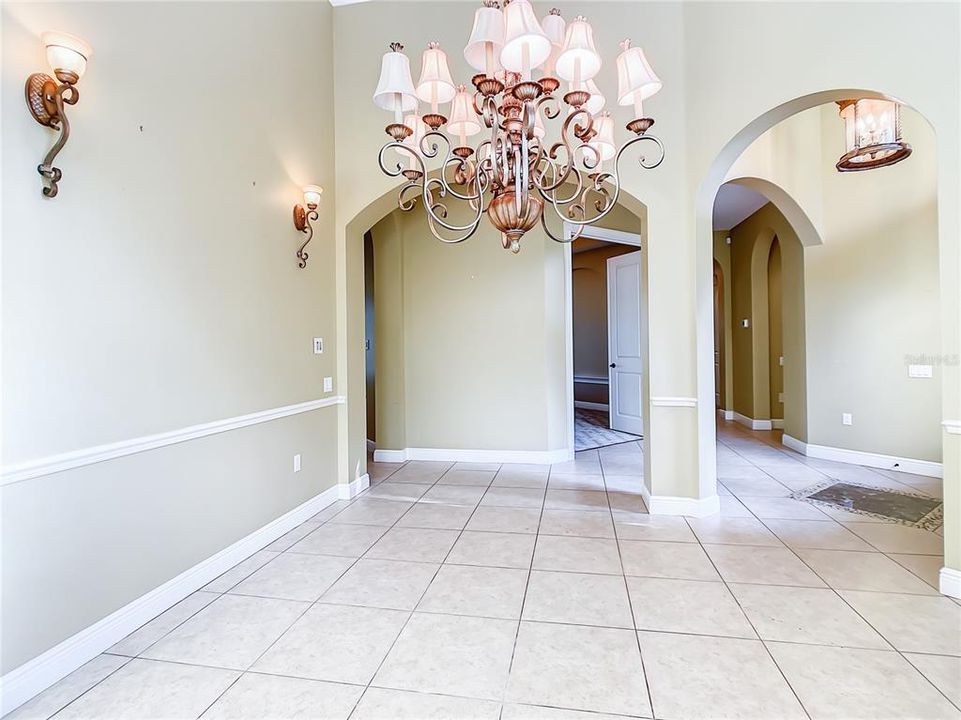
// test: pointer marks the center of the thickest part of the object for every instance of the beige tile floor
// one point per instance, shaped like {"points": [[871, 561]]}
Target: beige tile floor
{"points": [[522, 592]]}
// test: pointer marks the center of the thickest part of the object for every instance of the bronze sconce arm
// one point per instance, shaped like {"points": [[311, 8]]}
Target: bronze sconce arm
{"points": [[47, 99], [304, 216]]}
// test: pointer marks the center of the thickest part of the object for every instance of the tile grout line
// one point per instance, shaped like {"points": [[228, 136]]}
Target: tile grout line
{"points": [[627, 591], [527, 584], [853, 609]]}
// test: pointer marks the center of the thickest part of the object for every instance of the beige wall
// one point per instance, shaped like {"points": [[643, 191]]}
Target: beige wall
{"points": [[589, 283], [160, 290], [873, 300], [870, 298], [469, 336], [752, 355], [775, 306], [722, 255]]}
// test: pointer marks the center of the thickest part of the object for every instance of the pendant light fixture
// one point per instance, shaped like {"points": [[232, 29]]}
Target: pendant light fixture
{"points": [[872, 135]]}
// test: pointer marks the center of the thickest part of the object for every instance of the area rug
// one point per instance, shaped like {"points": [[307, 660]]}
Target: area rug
{"points": [[912, 509], [592, 430]]}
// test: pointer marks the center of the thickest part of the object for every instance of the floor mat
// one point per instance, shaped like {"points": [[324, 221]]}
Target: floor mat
{"points": [[592, 430], [912, 509]]}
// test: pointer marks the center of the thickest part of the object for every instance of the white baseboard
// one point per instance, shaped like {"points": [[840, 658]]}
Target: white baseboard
{"points": [[950, 582], [390, 456], [777, 423], [348, 491], [35, 676], [752, 423], [726, 414], [670, 505], [858, 457], [584, 405], [530, 457]]}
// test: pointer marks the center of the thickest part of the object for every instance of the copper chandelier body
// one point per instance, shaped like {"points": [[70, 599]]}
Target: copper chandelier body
{"points": [[514, 172]]}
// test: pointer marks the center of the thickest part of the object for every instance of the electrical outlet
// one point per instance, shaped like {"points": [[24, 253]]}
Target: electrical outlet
{"points": [[318, 346], [780, 398], [328, 384], [297, 462], [780, 360], [847, 419]]}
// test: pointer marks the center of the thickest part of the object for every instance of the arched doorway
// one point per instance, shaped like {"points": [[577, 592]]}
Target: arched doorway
{"points": [[769, 259], [555, 403]]}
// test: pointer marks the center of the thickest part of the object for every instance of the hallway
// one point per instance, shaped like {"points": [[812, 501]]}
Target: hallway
{"points": [[486, 591]]}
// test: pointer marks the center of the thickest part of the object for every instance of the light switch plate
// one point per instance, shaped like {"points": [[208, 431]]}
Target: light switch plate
{"points": [[847, 419], [745, 323], [921, 371], [297, 462], [318, 346], [328, 384]]}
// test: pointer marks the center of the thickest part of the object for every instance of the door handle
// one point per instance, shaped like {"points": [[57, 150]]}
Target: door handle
{"points": [[613, 365]]}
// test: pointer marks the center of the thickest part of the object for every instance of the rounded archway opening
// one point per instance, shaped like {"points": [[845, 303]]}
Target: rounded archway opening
{"points": [[871, 255], [473, 293]]}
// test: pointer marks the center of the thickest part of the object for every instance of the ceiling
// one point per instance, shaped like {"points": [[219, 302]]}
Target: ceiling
{"points": [[734, 204]]}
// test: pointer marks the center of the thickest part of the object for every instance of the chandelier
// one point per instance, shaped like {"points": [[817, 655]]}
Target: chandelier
{"points": [[515, 170], [872, 134]]}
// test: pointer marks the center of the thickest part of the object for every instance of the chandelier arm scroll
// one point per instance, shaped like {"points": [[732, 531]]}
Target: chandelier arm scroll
{"points": [[614, 178]]}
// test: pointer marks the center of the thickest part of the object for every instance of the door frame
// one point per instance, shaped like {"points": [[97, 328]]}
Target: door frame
{"points": [[595, 233]]}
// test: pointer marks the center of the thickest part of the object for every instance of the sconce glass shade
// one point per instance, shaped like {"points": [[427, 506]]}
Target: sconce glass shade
{"points": [[395, 89], [597, 101], [312, 195], [636, 80], [463, 120], [435, 84], [66, 53], [488, 28], [872, 135], [525, 45], [578, 60], [603, 142], [555, 27]]}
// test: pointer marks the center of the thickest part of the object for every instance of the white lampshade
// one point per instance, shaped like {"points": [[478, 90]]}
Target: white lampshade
{"points": [[523, 38], [435, 85], [395, 89], [66, 52], [312, 194], [636, 80], [578, 60], [556, 30], [603, 142], [488, 28], [597, 101], [463, 120]]}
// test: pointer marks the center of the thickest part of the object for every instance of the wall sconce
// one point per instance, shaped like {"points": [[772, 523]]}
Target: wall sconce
{"points": [[303, 216], [46, 99]]}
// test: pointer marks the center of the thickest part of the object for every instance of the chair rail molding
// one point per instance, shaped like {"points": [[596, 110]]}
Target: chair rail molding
{"points": [[952, 427], [666, 401], [100, 453]]}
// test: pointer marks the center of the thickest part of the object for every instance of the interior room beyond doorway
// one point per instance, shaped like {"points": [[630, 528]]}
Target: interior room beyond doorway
{"points": [[606, 312]]}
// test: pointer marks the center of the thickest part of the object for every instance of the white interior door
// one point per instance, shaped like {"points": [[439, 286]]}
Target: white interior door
{"points": [[624, 341]]}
